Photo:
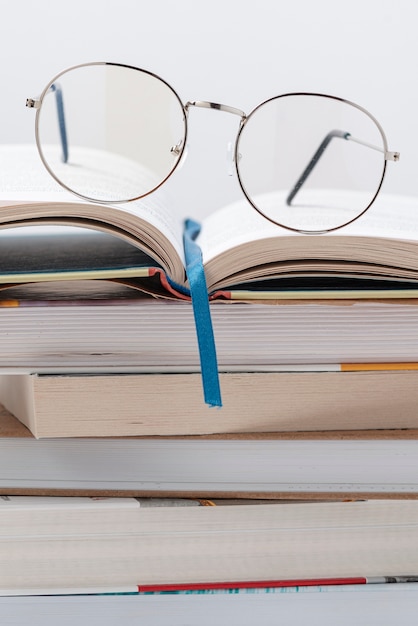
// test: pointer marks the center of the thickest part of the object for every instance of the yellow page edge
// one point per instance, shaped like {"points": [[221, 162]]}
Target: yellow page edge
{"points": [[36, 277]]}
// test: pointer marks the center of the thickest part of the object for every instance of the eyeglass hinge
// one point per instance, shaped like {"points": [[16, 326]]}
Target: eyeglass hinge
{"points": [[392, 156], [32, 103]]}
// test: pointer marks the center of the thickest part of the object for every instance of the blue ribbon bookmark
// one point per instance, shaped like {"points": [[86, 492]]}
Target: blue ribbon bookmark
{"points": [[201, 311]]}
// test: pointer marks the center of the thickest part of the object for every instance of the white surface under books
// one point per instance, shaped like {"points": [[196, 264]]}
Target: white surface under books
{"points": [[362, 605]]}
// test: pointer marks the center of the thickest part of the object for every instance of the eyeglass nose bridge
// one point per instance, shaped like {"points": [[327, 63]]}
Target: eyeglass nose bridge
{"points": [[203, 104]]}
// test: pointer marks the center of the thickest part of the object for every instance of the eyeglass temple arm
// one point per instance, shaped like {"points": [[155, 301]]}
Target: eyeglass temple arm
{"points": [[59, 100], [342, 134], [61, 120]]}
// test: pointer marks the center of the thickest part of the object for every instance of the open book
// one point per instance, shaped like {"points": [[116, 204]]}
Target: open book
{"points": [[245, 256]]}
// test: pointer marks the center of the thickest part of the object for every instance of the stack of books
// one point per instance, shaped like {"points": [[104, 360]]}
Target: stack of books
{"points": [[122, 488]]}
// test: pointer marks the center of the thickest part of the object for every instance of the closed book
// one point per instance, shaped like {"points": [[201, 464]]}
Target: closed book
{"points": [[43, 333], [315, 465], [65, 542], [299, 398]]}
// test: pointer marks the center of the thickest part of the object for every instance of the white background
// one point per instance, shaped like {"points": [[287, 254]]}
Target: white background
{"points": [[234, 52]]}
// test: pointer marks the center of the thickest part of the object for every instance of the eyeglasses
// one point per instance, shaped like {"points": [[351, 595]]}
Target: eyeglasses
{"points": [[113, 133]]}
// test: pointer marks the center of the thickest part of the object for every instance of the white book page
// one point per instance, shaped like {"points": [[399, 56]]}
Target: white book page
{"points": [[238, 224], [23, 179]]}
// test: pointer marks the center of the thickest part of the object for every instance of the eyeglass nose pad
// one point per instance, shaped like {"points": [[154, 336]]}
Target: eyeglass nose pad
{"points": [[230, 158], [176, 150]]}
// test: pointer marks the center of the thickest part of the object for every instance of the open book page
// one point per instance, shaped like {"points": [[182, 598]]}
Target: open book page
{"points": [[239, 244], [28, 193]]}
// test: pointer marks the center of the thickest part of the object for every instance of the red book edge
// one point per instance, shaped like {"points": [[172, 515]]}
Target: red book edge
{"points": [[258, 584]]}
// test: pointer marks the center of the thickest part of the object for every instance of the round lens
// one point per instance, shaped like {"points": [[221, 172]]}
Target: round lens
{"points": [[310, 163], [109, 132]]}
